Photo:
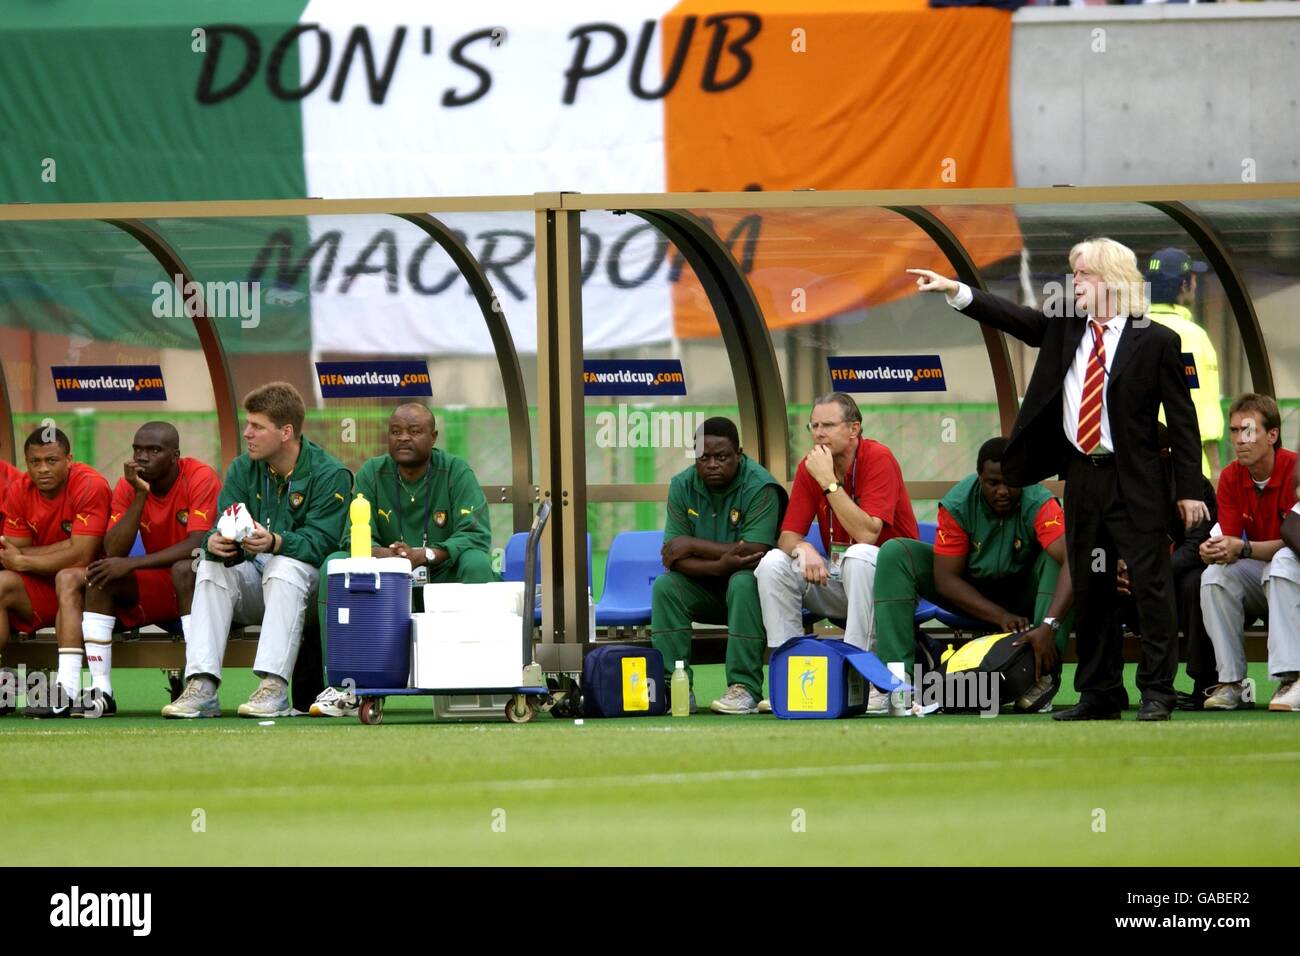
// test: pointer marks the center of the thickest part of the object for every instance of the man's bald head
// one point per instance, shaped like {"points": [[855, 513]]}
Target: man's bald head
{"points": [[415, 409], [156, 451], [411, 434], [163, 434]]}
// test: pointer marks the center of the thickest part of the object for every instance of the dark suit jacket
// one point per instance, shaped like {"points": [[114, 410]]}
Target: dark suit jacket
{"points": [[1147, 371]]}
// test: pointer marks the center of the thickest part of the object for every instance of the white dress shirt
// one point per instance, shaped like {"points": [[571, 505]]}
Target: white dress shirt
{"points": [[1072, 396]]}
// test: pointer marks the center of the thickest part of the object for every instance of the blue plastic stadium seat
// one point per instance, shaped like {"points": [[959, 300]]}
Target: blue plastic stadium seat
{"points": [[633, 564], [928, 530], [512, 564], [814, 537], [925, 611], [137, 549], [960, 622]]}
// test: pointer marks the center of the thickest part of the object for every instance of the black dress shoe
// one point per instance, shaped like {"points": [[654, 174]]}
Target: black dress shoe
{"points": [[1088, 710], [49, 712], [1193, 701], [1154, 710]]}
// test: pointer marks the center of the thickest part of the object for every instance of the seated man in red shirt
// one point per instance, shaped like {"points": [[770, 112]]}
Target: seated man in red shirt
{"points": [[172, 503], [1250, 570], [998, 556], [55, 517], [854, 488]]}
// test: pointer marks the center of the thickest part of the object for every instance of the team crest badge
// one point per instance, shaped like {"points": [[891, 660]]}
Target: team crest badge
{"points": [[67, 527], [296, 499], [735, 516], [183, 516], [440, 518], [1016, 544]]}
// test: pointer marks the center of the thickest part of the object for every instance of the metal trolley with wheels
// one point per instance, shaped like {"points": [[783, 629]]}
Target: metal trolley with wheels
{"points": [[529, 697]]}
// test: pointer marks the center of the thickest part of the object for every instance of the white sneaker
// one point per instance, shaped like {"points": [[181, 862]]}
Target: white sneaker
{"points": [[271, 699], [736, 700], [333, 702], [199, 699], [1230, 696], [764, 706], [1287, 697], [877, 702]]}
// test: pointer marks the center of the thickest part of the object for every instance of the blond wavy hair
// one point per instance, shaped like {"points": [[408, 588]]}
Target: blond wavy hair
{"points": [[1117, 265]]}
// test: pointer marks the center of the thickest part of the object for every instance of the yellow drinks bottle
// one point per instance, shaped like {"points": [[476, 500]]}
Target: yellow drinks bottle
{"points": [[359, 513]]}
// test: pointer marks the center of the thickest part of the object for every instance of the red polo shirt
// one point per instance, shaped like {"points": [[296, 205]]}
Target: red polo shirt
{"points": [[1260, 513], [875, 482], [80, 507], [189, 505]]}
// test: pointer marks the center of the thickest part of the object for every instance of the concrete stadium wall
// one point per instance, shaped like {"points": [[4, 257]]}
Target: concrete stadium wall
{"points": [[1111, 96]]}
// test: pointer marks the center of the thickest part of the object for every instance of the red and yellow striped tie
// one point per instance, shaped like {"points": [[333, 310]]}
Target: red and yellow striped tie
{"points": [[1094, 382]]}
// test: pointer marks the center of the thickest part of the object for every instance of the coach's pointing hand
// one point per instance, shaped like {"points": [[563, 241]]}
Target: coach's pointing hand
{"points": [[928, 281]]}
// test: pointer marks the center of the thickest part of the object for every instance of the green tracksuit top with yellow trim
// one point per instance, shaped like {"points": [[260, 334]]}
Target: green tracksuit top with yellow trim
{"points": [[444, 508], [307, 507], [745, 510]]}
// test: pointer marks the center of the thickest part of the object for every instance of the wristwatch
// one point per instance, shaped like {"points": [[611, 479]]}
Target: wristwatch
{"points": [[830, 489], [428, 557], [1053, 623]]}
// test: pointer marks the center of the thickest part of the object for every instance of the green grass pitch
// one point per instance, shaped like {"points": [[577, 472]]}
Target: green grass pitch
{"points": [[134, 789]]}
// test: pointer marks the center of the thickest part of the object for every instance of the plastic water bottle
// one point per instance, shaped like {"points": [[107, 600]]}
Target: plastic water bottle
{"points": [[359, 513], [681, 691], [900, 701]]}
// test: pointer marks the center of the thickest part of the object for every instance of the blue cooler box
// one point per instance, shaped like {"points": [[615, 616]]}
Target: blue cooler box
{"points": [[815, 678], [369, 614]]}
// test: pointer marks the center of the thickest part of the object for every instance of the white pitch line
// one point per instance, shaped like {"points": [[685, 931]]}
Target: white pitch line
{"points": [[533, 784]]}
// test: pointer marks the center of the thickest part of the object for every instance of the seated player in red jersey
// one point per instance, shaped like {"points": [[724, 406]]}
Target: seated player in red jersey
{"points": [[55, 516], [171, 502]]}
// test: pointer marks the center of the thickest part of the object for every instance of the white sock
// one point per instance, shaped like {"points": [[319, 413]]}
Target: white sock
{"points": [[185, 627], [97, 632], [70, 672]]}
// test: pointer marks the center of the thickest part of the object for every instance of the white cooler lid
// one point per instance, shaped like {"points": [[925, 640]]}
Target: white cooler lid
{"points": [[369, 566]]}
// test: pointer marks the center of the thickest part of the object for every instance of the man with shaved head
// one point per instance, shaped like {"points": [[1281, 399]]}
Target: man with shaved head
{"points": [[425, 506], [171, 502]]}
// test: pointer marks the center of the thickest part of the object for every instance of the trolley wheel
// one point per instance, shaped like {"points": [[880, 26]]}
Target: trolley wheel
{"points": [[371, 710], [519, 710]]}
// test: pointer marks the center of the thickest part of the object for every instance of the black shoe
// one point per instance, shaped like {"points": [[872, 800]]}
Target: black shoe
{"points": [[1154, 710], [1193, 701], [1088, 710], [95, 703], [50, 713]]}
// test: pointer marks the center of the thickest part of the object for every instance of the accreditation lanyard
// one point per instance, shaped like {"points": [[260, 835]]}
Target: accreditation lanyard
{"points": [[428, 505], [850, 487]]}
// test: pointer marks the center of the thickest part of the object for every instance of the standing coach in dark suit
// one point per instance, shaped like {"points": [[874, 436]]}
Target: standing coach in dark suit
{"points": [[1089, 415]]}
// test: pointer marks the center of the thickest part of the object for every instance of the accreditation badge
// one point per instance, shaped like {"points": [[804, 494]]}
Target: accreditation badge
{"points": [[837, 559]]}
